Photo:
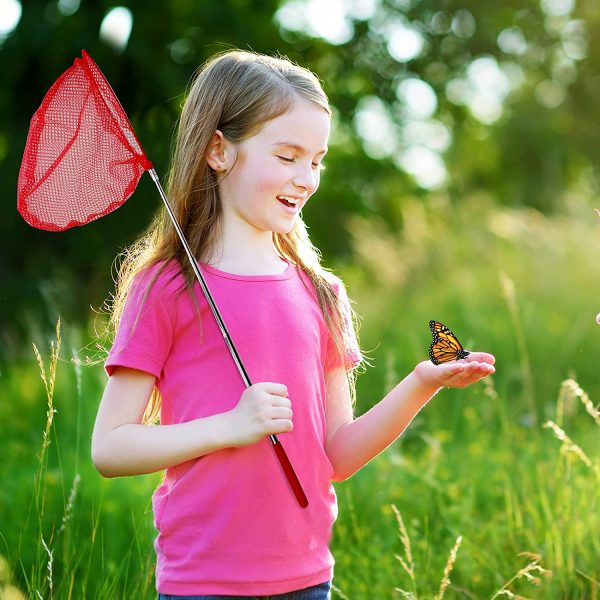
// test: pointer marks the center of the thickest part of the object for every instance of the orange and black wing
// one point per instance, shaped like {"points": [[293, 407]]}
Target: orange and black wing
{"points": [[445, 346]]}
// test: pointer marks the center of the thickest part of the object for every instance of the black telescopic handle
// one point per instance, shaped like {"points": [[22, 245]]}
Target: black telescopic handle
{"points": [[279, 451]]}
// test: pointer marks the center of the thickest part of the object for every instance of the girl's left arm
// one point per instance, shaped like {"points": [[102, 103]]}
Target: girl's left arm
{"points": [[352, 443]]}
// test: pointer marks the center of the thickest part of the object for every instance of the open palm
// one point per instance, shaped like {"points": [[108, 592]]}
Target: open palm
{"points": [[457, 373]]}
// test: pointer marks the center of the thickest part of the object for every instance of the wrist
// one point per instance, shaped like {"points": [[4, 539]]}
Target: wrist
{"points": [[423, 390], [225, 428]]}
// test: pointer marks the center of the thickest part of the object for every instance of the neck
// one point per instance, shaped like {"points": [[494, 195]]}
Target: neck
{"points": [[245, 251]]}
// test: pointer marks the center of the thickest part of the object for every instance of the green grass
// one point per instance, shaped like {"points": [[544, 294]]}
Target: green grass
{"points": [[480, 471], [64, 531], [504, 488]]}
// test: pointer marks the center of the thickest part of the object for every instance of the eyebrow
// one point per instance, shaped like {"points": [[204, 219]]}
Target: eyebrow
{"points": [[297, 147]]}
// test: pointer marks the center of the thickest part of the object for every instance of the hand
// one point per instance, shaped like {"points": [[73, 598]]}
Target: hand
{"points": [[458, 373], [264, 409]]}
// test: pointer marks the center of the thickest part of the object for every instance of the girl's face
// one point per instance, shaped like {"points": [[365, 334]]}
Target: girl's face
{"points": [[273, 173]]}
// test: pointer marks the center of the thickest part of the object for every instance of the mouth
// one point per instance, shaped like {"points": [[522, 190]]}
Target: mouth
{"points": [[289, 201]]}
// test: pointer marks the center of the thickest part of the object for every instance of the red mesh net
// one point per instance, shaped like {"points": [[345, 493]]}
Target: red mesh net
{"points": [[82, 159]]}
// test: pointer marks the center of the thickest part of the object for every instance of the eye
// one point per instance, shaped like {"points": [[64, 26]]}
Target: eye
{"points": [[285, 159], [319, 166]]}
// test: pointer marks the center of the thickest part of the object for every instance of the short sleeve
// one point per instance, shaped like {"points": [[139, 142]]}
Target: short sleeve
{"points": [[145, 332], [353, 356]]}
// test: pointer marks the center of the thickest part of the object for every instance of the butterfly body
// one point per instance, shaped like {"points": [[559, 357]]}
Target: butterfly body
{"points": [[445, 346]]}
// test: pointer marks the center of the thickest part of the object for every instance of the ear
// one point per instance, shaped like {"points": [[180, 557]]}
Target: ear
{"points": [[220, 153]]}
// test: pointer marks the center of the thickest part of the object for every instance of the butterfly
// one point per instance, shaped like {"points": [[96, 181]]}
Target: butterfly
{"points": [[444, 347]]}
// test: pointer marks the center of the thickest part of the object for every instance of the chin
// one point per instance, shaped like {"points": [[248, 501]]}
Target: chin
{"points": [[284, 229]]}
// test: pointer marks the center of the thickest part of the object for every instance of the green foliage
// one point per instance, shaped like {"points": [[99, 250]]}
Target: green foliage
{"points": [[43, 270], [540, 145], [505, 488], [506, 254], [480, 463], [65, 531]]}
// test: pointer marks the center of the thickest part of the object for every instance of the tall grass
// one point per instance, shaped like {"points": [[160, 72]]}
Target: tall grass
{"points": [[524, 516], [492, 492], [61, 543], [477, 463]]}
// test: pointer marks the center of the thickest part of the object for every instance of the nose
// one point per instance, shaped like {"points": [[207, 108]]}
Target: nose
{"points": [[306, 177]]}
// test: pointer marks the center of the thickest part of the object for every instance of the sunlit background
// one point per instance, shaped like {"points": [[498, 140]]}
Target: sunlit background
{"points": [[462, 184], [413, 130]]}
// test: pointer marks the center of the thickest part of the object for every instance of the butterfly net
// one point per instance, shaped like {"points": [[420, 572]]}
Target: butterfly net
{"points": [[82, 159]]}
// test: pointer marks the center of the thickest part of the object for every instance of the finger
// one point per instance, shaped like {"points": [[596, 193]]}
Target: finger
{"points": [[478, 369], [281, 426], [450, 373], [474, 373], [483, 357], [464, 372], [281, 412], [477, 364], [454, 368], [278, 389], [280, 401]]}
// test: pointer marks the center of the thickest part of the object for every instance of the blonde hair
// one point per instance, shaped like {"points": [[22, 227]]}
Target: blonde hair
{"points": [[236, 92]]}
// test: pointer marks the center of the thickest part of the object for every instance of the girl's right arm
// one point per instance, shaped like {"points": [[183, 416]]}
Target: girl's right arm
{"points": [[122, 445]]}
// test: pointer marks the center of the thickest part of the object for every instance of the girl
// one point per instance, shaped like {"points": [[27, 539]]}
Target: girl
{"points": [[248, 156]]}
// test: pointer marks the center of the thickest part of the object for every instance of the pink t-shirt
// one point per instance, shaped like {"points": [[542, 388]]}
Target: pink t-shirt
{"points": [[228, 522]]}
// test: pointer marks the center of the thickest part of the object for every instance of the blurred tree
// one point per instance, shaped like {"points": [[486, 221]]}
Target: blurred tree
{"points": [[45, 273], [465, 95], [429, 97]]}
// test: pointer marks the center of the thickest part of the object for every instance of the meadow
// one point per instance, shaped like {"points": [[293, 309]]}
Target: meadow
{"points": [[492, 491]]}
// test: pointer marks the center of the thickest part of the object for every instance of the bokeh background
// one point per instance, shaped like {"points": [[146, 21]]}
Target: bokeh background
{"points": [[461, 185]]}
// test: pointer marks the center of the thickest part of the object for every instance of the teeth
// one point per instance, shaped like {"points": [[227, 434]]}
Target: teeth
{"points": [[289, 199]]}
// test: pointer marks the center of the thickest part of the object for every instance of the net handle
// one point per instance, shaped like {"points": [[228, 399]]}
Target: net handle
{"points": [[284, 461]]}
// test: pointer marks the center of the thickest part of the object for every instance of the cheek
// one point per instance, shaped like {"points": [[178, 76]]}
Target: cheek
{"points": [[318, 179], [269, 179]]}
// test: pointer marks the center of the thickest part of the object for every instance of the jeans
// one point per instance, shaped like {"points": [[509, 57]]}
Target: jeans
{"points": [[316, 592]]}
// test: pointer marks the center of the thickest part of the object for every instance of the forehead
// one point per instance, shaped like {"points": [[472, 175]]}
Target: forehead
{"points": [[305, 124]]}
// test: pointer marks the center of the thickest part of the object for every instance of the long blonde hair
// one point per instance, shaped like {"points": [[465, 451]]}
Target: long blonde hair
{"points": [[236, 92]]}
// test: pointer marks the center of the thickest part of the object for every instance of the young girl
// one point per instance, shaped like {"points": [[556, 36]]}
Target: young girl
{"points": [[248, 156]]}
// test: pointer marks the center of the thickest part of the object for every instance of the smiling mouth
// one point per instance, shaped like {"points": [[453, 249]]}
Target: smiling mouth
{"points": [[287, 201]]}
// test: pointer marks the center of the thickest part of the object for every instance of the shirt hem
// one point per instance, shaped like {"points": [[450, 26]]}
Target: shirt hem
{"points": [[258, 588]]}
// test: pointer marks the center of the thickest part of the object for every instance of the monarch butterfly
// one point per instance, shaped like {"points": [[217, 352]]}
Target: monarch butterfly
{"points": [[444, 347]]}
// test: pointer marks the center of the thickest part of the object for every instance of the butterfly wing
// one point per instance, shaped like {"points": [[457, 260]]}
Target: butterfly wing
{"points": [[445, 345]]}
